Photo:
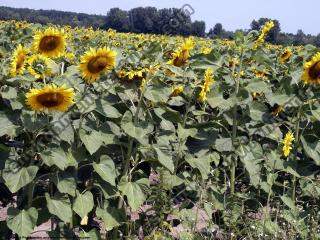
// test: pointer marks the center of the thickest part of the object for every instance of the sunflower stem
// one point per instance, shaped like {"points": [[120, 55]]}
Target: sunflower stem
{"points": [[297, 132], [82, 116], [126, 172], [234, 127], [62, 68]]}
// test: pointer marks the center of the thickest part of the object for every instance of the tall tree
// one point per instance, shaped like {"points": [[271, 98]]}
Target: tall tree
{"points": [[198, 28], [117, 19], [300, 38]]}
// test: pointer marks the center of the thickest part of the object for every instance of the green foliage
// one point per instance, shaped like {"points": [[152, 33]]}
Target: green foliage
{"points": [[144, 162]]}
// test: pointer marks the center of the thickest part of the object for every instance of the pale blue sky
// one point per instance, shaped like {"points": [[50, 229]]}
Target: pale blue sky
{"points": [[233, 14]]}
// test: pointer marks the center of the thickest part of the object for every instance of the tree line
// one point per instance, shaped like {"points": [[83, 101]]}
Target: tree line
{"points": [[171, 21]]}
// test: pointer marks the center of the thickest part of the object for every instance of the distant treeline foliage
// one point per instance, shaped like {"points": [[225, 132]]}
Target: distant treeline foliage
{"points": [[171, 21]]}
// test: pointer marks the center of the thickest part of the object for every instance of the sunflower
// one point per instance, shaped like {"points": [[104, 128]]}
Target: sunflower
{"points": [[206, 50], [180, 56], [50, 42], [176, 91], [287, 144], [311, 73], [50, 98], [39, 66], [267, 27], [255, 95], [260, 73], [285, 55], [95, 62], [133, 74], [264, 30], [205, 88], [278, 109], [18, 61]]}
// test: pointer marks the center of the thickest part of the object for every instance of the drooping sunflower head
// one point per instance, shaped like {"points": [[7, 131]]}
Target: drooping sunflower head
{"points": [[133, 74], [177, 90], [260, 72], [50, 98], [39, 66], [180, 56], [267, 27], [285, 55], [95, 62], [287, 143], [50, 42], [206, 50], [188, 44], [206, 86], [277, 109], [18, 61], [311, 73], [264, 30], [255, 95], [208, 77]]}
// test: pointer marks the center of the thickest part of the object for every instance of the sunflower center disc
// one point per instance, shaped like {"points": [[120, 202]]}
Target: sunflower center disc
{"points": [[97, 64], [50, 99], [20, 61], [49, 43], [182, 58], [314, 71]]}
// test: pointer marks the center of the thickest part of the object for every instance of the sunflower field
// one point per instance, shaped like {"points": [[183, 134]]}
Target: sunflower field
{"points": [[108, 135]]}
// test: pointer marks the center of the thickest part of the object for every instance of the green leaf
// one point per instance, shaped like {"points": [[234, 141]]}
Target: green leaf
{"points": [[184, 133], [7, 127], [112, 217], [22, 222], [176, 70], [83, 203], [271, 227], [66, 183], [16, 179], [169, 180], [133, 192], [32, 123], [251, 159], [92, 235], [165, 158], [107, 189], [158, 92], [138, 131], [316, 113], [223, 144], [258, 111], [202, 164], [288, 201], [282, 99], [60, 206], [62, 127], [105, 109], [8, 92], [312, 150], [220, 102], [58, 157], [106, 169], [258, 86], [93, 141]]}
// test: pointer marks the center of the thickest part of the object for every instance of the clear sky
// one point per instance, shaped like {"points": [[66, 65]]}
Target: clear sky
{"points": [[233, 14]]}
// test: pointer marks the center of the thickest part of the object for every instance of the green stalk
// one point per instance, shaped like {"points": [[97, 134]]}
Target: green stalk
{"points": [[234, 127], [30, 193], [82, 116], [62, 68], [125, 171], [297, 132]]}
